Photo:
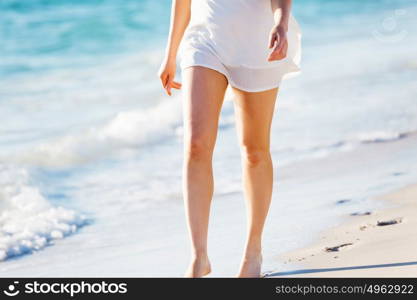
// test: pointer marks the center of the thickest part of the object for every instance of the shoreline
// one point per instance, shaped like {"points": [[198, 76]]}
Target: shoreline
{"points": [[375, 243], [314, 193]]}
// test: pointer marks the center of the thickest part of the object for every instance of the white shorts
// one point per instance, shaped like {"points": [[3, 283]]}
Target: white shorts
{"points": [[242, 78]]}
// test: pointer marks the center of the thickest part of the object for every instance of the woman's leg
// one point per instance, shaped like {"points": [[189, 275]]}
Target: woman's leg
{"points": [[254, 112], [204, 91]]}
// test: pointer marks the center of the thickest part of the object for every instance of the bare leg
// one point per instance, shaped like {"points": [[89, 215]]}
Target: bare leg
{"points": [[204, 91], [254, 112]]}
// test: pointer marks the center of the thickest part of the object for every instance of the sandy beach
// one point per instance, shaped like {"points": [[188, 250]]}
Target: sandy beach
{"points": [[378, 243], [91, 147]]}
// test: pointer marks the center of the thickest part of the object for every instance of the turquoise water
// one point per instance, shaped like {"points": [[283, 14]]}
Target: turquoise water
{"points": [[40, 35], [90, 145]]}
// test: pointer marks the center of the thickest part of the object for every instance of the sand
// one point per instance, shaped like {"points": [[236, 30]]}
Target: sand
{"points": [[362, 248]]}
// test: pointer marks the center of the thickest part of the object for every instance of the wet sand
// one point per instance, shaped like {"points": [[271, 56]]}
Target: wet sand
{"points": [[381, 243]]}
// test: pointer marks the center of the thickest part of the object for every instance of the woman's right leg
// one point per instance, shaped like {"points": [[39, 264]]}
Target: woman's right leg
{"points": [[204, 91]]}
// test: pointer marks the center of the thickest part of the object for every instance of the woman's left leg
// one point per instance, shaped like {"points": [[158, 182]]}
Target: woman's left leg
{"points": [[254, 113]]}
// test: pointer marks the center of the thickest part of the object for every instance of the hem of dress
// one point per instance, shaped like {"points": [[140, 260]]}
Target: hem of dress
{"points": [[223, 72], [287, 75], [231, 82], [257, 90]]}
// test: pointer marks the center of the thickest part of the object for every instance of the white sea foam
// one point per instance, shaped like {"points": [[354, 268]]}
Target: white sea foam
{"points": [[126, 130], [28, 222], [380, 136]]}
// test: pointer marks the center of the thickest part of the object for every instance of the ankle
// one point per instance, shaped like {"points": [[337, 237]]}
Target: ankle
{"points": [[253, 252], [197, 255]]}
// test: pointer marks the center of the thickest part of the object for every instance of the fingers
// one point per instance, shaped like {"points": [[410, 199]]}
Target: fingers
{"points": [[168, 83], [278, 42], [279, 52], [169, 86], [163, 77], [165, 81], [172, 85], [279, 45], [176, 85], [272, 39]]}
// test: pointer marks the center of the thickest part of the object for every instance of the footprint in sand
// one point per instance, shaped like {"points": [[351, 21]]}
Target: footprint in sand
{"points": [[366, 213], [337, 248], [389, 222], [343, 201], [398, 173]]}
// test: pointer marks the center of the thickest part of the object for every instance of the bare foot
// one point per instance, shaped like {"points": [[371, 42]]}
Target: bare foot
{"points": [[199, 267], [251, 266]]}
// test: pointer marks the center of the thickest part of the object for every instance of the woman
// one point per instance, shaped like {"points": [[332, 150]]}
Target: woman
{"points": [[247, 44]]}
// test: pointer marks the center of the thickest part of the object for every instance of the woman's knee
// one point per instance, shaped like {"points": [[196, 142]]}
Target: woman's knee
{"points": [[198, 148], [255, 155]]}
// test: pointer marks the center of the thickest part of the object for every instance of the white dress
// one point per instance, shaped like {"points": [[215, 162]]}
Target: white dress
{"points": [[232, 37]]}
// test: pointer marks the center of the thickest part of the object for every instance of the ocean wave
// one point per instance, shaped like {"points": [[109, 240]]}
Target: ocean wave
{"points": [[382, 136], [127, 130], [28, 222], [322, 150]]}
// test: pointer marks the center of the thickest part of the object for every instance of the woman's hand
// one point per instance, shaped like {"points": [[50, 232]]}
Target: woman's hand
{"points": [[167, 73], [278, 42]]}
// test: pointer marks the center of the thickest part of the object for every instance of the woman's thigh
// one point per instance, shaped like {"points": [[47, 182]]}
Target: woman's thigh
{"points": [[254, 113], [204, 91]]}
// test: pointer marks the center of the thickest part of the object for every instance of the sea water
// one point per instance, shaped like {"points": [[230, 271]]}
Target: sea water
{"points": [[91, 153]]}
